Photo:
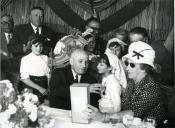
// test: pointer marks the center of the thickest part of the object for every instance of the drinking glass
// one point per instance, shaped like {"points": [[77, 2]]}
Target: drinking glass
{"points": [[106, 112], [106, 108], [149, 122], [115, 120], [105, 105]]}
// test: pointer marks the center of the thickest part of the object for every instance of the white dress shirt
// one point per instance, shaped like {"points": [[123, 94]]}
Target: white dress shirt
{"points": [[74, 74], [34, 65], [34, 28], [8, 37]]}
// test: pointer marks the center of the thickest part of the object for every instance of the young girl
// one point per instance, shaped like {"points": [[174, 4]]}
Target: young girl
{"points": [[34, 68], [110, 101], [114, 51]]}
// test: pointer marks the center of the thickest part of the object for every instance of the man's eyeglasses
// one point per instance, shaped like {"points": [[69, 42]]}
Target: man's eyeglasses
{"points": [[132, 65], [5, 22]]}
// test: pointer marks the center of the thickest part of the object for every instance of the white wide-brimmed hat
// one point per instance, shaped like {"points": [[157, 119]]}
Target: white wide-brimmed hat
{"points": [[140, 52]]}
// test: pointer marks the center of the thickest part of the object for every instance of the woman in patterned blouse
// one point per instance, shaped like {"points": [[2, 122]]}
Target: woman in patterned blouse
{"points": [[143, 95]]}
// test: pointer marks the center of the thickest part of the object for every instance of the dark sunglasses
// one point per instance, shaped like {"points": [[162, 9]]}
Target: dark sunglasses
{"points": [[132, 65]]}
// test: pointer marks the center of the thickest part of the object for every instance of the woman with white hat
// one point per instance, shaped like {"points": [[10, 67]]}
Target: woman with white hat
{"points": [[143, 95]]}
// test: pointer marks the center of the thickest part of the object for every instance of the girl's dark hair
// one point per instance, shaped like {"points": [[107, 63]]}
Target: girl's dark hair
{"points": [[139, 30], [104, 59], [112, 44], [36, 39], [37, 8], [122, 32], [88, 36]]}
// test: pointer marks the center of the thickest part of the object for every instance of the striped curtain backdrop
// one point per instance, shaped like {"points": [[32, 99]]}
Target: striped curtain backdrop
{"points": [[157, 16]]}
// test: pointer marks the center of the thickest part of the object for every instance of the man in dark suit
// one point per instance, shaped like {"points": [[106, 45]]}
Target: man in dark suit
{"points": [[94, 24], [7, 25], [62, 78], [19, 44]]}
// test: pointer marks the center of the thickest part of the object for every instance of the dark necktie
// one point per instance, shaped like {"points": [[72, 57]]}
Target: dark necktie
{"points": [[76, 79], [37, 31]]}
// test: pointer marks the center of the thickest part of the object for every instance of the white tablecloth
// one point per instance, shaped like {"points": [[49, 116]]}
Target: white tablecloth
{"points": [[63, 120]]}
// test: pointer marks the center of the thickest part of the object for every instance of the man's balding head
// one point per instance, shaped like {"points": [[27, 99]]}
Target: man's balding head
{"points": [[79, 61]]}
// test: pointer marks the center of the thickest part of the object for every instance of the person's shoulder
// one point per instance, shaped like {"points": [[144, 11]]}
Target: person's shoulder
{"points": [[44, 27], [2, 33], [26, 57], [111, 78], [47, 31], [20, 26], [152, 85], [159, 46], [44, 56], [149, 81], [89, 78], [62, 70]]}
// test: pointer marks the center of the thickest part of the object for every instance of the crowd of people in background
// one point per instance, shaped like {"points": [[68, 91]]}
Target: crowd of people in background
{"points": [[124, 72]]}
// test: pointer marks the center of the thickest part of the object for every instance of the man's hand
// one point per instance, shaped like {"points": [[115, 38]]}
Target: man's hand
{"points": [[96, 88], [26, 47], [43, 91], [75, 32], [90, 112], [3, 52]]}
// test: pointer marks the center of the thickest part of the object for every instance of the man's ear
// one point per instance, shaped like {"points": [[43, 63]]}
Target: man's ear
{"points": [[30, 17], [145, 39], [71, 61], [142, 70]]}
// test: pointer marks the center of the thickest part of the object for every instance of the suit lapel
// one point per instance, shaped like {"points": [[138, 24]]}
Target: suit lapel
{"points": [[42, 30], [3, 38], [69, 75], [3, 42], [30, 29], [83, 79]]}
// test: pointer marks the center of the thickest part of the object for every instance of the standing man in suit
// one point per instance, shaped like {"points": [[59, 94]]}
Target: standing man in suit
{"points": [[94, 24], [75, 73], [7, 25], [19, 43]]}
